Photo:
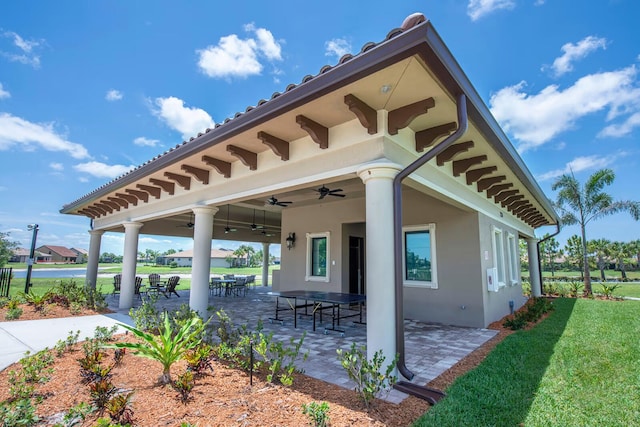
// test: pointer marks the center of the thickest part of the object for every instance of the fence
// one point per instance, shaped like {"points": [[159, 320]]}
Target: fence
{"points": [[5, 281]]}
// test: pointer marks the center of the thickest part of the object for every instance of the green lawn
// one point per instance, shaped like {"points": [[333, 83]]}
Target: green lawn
{"points": [[579, 367], [41, 285]]}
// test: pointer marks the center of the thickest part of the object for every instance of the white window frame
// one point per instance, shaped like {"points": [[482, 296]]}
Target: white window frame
{"points": [[512, 252], [433, 284], [309, 271], [497, 241]]}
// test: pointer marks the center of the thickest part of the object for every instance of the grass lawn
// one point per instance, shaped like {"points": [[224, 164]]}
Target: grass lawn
{"points": [[579, 367]]}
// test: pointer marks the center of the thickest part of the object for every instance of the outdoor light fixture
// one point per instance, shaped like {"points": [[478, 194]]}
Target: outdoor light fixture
{"points": [[34, 228], [291, 240]]}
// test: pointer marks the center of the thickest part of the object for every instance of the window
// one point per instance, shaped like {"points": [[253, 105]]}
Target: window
{"points": [[512, 248], [419, 256], [317, 257], [498, 255]]}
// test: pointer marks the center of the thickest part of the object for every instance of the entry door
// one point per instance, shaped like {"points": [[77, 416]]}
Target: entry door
{"points": [[357, 283]]}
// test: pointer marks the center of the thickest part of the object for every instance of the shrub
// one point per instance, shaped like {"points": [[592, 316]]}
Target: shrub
{"points": [[184, 384], [75, 415], [65, 345], [367, 374], [515, 321], [101, 393], [317, 412], [168, 347], [18, 413], [199, 359], [607, 289], [575, 288], [13, 313], [147, 316], [280, 359], [119, 408], [37, 301]]}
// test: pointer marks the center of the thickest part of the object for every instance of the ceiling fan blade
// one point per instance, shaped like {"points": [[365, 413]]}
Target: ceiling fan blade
{"points": [[337, 195]]}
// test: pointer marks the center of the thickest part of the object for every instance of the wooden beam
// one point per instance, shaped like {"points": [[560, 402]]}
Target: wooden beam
{"points": [[512, 199], [154, 191], [141, 195], [368, 116], [502, 196], [104, 207], [402, 117], [201, 175], [182, 180], [248, 158], [318, 133], [111, 204], [475, 174], [452, 151], [87, 212], [222, 167], [495, 189], [129, 198], [485, 183], [99, 209], [167, 186], [517, 204], [517, 210], [119, 200], [463, 165], [279, 146], [427, 137]]}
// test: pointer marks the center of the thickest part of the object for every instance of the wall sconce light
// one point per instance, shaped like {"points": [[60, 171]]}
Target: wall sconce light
{"points": [[291, 240]]}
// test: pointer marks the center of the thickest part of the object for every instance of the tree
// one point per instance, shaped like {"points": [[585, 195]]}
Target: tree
{"points": [[6, 248], [582, 204], [573, 252], [601, 250], [619, 252], [550, 250]]}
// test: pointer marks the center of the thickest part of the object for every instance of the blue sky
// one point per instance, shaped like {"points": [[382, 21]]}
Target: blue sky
{"points": [[89, 90]]}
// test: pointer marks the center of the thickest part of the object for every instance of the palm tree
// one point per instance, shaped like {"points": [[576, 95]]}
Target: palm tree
{"points": [[601, 249], [582, 204], [573, 253], [619, 252], [550, 250]]}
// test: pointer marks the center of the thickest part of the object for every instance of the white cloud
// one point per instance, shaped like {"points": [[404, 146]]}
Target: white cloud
{"points": [[4, 93], [15, 131], [27, 48], [580, 164], [479, 8], [337, 47], [236, 57], [187, 120], [622, 129], [538, 118], [102, 170], [145, 142], [56, 166], [572, 52], [113, 95]]}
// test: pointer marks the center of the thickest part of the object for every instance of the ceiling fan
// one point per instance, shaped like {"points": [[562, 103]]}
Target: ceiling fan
{"points": [[190, 224], [255, 226], [324, 191], [275, 202], [264, 231], [228, 229]]}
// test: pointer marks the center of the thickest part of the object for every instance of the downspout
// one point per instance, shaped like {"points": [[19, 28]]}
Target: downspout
{"points": [[397, 223], [538, 250]]}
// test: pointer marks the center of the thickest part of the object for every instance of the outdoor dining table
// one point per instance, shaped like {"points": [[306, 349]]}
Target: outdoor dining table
{"points": [[227, 284]]}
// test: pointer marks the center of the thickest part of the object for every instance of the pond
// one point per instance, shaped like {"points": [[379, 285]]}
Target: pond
{"points": [[51, 273]]}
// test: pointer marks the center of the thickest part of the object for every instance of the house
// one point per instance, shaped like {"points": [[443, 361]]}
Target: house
{"points": [[384, 174], [22, 255], [59, 254], [219, 258], [82, 255]]}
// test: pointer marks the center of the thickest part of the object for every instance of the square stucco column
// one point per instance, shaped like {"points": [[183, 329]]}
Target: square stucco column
{"points": [[201, 266], [129, 261], [380, 269], [94, 256], [534, 267]]}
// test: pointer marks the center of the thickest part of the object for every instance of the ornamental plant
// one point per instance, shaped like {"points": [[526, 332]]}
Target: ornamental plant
{"points": [[168, 346]]}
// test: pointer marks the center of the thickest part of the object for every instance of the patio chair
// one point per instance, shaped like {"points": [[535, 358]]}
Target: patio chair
{"points": [[139, 290], [251, 281], [171, 286], [155, 283], [117, 282], [215, 287], [239, 287]]}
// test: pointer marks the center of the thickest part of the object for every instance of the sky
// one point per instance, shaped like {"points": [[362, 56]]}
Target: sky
{"points": [[92, 89]]}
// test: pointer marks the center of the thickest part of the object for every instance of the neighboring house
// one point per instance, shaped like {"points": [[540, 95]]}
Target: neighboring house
{"points": [[385, 174], [219, 258], [22, 255], [59, 253], [81, 254]]}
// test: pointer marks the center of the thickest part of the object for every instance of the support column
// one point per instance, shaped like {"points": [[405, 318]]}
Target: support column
{"points": [[380, 268], [265, 264], [94, 256], [129, 261], [201, 266], [534, 267]]}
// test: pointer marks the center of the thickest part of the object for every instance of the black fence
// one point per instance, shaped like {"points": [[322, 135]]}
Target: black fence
{"points": [[5, 281]]}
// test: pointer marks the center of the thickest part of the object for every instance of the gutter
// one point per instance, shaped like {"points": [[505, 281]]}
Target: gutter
{"points": [[397, 219], [538, 250]]}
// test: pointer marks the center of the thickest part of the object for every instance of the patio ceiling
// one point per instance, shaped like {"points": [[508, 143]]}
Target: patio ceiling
{"points": [[394, 76]]}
